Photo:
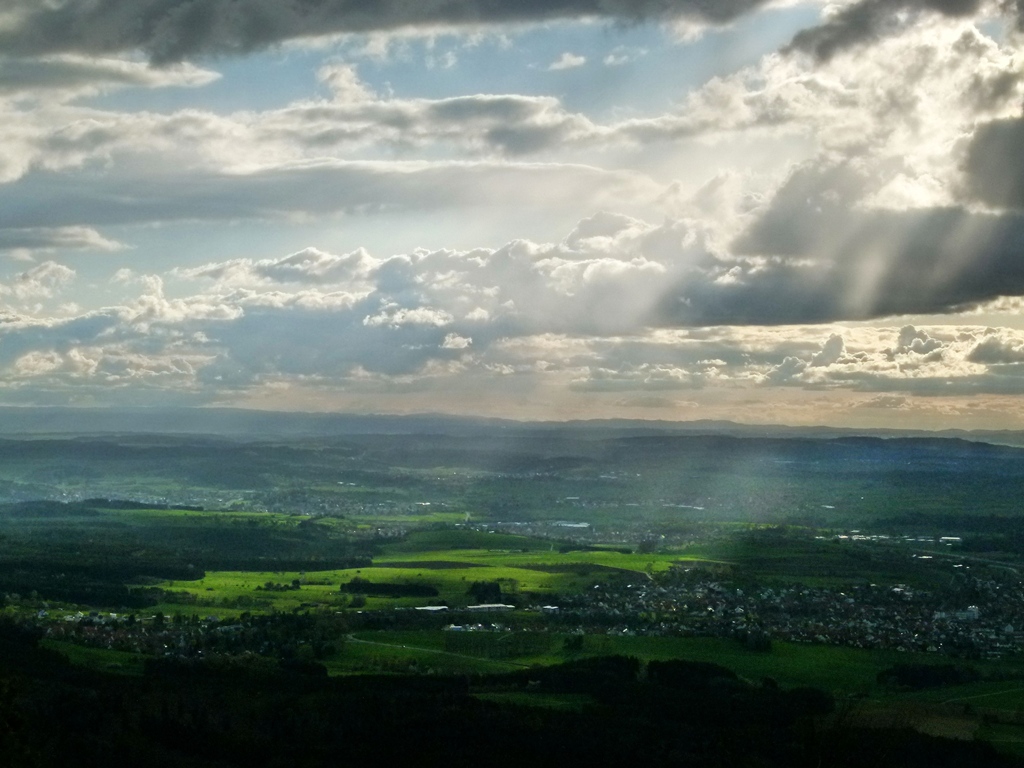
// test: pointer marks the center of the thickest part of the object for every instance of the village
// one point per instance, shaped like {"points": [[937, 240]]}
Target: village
{"points": [[975, 618]]}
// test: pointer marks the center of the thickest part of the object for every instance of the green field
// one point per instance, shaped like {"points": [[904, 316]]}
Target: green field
{"points": [[369, 653], [245, 590], [521, 565], [839, 670], [101, 659], [995, 711]]}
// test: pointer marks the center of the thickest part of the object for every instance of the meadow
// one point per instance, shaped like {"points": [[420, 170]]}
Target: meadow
{"points": [[521, 565]]}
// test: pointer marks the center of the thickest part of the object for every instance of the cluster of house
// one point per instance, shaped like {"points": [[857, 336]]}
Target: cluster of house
{"points": [[120, 632], [974, 617]]}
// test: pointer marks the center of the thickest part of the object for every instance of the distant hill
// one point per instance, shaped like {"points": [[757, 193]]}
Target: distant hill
{"points": [[240, 423]]}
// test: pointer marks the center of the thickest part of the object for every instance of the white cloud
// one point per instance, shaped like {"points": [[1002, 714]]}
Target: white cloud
{"points": [[396, 317], [454, 341], [344, 82], [567, 61], [621, 56], [310, 265], [40, 282], [831, 352]]}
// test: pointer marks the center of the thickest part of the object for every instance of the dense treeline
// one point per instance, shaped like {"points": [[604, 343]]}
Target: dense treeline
{"points": [[107, 585], [918, 676], [360, 586], [85, 508], [952, 523], [70, 552], [980, 533], [251, 711]]}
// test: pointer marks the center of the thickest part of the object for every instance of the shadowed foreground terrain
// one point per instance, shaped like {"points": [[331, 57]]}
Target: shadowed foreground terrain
{"points": [[205, 714]]}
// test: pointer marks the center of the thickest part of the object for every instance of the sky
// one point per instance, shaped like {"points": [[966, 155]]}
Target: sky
{"points": [[787, 211]]}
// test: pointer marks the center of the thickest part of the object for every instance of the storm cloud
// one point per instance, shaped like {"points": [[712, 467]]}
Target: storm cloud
{"points": [[995, 164], [814, 255]]}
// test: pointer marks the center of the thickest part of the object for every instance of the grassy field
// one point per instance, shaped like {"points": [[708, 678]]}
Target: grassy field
{"points": [[120, 662], [840, 670], [993, 711], [368, 653], [246, 590], [448, 561]]}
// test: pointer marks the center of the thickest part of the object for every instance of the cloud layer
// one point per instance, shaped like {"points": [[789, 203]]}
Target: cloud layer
{"points": [[836, 224], [176, 30]]}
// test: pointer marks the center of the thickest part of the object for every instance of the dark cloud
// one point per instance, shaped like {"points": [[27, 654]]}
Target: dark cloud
{"points": [[173, 30], [868, 20], [813, 256], [995, 164]]}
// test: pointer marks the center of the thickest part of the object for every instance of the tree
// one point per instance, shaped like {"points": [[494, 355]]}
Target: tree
{"points": [[485, 591], [573, 644]]}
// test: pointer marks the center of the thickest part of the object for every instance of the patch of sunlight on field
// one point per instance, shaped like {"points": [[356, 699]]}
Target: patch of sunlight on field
{"points": [[640, 563], [449, 571], [249, 589]]}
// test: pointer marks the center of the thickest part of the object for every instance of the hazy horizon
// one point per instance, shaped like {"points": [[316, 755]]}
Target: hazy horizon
{"points": [[789, 212], [200, 422]]}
